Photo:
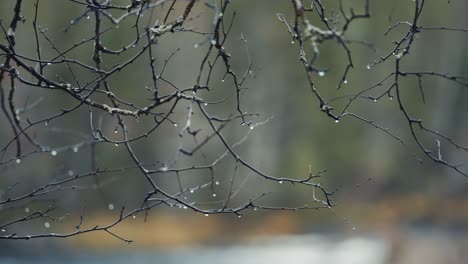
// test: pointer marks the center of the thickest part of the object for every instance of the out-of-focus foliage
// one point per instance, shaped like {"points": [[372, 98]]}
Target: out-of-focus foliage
{"points": [[293, 137]]}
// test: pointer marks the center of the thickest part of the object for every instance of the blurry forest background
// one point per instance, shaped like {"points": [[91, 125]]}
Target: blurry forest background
{"points": [[384, 193]]}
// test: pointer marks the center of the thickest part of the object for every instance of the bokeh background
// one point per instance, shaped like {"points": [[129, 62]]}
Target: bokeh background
{"points": [[390, 207]]}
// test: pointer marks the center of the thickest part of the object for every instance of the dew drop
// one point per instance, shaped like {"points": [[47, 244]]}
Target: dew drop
{"points": [[337, 121], [368, 67], [75, 149], [213, 42], [321, 73], [185, 207], [192, 191], [46, 123], [164, 168], [251, 127], [133, 46], [354, 228], [205, 104], [70, 173], [206, 214], [134, 217], [375, 100], [222, 80], [116, 131], [255, 209], [18, 161], [48, 63], [391, 98], [217, 182], [88, 17], [110, 206], [116, 144], [239, 216], [53, 153], [27, 210], [345, 81], [176, 125], [3, 230], [292, 42], [196, 45], [214, 194], [46, 224], [280, 182]]}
